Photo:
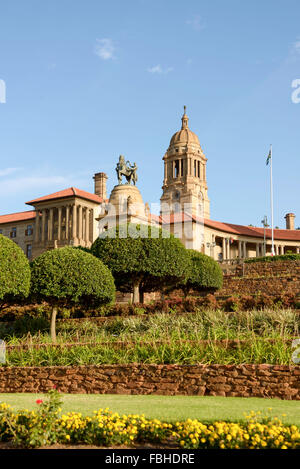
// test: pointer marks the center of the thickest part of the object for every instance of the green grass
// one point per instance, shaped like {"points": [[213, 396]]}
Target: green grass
{"points": [[168, 408], [257, 351], [198, 325]]}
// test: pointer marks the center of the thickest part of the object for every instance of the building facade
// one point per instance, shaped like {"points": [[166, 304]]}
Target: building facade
{"points": [[73, 217]]}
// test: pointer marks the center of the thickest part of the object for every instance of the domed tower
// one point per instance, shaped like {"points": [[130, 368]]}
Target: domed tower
{"points": [[185, 186]]}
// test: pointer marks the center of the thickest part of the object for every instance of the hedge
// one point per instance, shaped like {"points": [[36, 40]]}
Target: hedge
{"points": [[14, 271], [282, 257]]}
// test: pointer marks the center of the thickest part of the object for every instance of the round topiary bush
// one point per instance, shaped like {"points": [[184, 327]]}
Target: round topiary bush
{"points": [[14, 271], [142, 258], [67, 276], [204, 273]]}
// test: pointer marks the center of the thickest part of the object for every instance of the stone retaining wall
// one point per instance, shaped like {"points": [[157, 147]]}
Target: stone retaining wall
{"points": [[271, 278], [272, 381], [268, 285], [271, 268]]}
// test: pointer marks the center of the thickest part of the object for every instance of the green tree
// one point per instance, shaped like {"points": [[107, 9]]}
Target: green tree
{"points": [[14, 271], [67, 276], [141, 258], [204, 273]]}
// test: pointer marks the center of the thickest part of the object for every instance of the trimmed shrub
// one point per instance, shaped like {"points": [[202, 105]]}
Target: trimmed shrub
{"points": [[69, 276], [204, 273], [14, 271], [282, 257], [232, 304], [142, 258]]}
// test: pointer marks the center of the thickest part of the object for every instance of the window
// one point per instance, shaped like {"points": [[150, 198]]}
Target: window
{"points": [[29, 230], [29, 251], [176, 169], [13, 232]]}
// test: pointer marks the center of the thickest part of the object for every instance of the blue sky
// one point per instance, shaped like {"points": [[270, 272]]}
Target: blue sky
{"points": [[89, 80]]}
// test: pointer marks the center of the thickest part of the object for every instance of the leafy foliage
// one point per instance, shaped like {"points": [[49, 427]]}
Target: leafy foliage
{"points": [[14, 271], [204, 273], [143, 254], [69, 275], [282, 257]]}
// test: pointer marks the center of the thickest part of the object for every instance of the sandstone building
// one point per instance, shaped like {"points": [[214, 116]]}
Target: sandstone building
{"points": [[75, 217]]}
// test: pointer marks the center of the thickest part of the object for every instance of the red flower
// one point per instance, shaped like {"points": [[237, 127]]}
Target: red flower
{"points": [[39, 401]]}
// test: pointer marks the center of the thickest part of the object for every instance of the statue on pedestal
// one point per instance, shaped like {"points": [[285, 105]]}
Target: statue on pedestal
{"points": [[127, 170]]}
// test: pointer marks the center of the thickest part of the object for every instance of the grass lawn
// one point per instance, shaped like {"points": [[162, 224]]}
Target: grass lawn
{"points": [[168, 408]]}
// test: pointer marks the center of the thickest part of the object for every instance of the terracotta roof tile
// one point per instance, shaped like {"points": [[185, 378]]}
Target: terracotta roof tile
{"points": [[70, 192], [257, 232], [230, 228], [19, 216]]}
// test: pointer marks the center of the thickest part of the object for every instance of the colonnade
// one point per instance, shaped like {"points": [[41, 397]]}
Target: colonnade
{"points": [[242, 248], [65, 222]]}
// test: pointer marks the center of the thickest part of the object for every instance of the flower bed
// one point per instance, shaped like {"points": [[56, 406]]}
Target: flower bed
{"points": [[46, 426]]}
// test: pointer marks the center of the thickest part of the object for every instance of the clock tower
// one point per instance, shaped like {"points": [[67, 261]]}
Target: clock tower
{"points": [[184, 186]]}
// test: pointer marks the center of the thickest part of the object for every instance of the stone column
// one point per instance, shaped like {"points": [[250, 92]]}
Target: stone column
{"points": [[80, 222], [224, 248], [244, 249], [257, 249], [67, 221], [59, 224], [228, 248], [50, 224], [74, 222], [213, 240], [43, 224], [240, 248], [87, 225], [37, 226]]}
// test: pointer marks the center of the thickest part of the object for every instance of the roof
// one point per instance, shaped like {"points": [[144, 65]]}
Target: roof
{"points": [[19, 216], [230, 228], [70, 192], [287, 235], [184, 136]]}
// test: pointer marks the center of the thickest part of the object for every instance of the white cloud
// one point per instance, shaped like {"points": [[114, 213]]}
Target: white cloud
{"points": [[105, 49], [7, 171], [296, 46], [12, 186], [196, 23], [160, 70]]}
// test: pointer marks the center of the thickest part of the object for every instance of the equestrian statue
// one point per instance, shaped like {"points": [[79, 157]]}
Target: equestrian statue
{"points": [[127, 170]]}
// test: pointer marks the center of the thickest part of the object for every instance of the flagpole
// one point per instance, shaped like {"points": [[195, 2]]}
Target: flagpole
{"points": [[272, 208]]}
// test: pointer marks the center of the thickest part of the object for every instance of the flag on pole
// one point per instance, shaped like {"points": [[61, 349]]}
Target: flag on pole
{"points": [[269, 157]]}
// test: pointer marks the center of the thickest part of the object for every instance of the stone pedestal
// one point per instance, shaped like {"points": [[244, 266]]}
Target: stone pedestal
{"points": [[126, 199]]}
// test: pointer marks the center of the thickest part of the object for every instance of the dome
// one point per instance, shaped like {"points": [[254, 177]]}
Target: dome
{"points": [[185, 135]]}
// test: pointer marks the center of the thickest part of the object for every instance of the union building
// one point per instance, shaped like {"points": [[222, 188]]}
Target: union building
{"points": [[75, 217]]}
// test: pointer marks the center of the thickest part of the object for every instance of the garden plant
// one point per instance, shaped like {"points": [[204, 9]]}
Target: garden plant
{"points": [[69, 276]]}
